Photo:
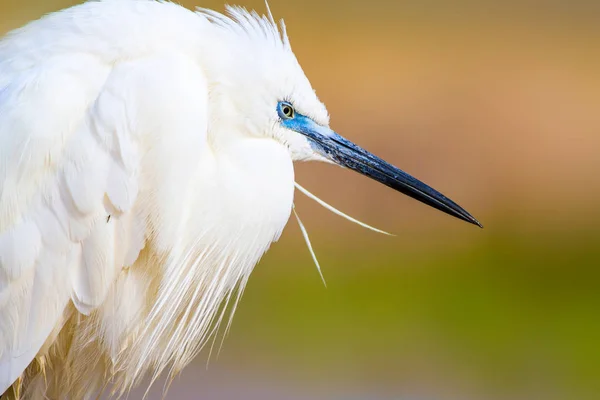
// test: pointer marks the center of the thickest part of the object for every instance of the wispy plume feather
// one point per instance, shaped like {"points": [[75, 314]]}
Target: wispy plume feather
{"points": [[310, 248], [338, 212], [269, 14]]}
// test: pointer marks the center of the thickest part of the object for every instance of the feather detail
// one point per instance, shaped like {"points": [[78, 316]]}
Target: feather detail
{"points": [[338, 212], [309, 245]]}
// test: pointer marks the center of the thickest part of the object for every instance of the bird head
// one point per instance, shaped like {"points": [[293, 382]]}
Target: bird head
{"points": [[262, 91]]}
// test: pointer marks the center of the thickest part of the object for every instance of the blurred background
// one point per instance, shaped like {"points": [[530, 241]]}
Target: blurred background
{"points": [[497, 105]]}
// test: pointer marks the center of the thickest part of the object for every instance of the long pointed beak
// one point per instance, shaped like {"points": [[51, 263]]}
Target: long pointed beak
{"points": [[347, 154]]}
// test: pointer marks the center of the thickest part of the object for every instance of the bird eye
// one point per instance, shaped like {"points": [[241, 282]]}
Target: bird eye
{"points": [[286, 110]]}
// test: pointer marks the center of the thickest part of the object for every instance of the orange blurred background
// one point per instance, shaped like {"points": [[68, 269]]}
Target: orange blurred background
{"points": [[497, 105]]}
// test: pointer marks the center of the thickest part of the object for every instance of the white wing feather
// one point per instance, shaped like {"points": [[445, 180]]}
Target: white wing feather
{"points": [[70, 174], [45, 153]]}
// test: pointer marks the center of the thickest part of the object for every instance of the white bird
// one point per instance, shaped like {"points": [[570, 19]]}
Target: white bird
{"points": [[146, 164]]}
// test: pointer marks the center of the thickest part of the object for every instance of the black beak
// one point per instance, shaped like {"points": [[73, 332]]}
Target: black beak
{"points": [[345, 153]]}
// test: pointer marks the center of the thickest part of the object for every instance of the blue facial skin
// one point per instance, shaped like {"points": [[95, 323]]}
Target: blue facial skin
{"points": [[345, 153]]}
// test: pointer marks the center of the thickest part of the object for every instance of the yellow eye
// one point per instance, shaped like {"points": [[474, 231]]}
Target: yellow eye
{"points": [[286, 110]]}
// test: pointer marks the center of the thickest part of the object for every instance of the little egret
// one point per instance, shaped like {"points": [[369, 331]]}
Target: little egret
{"points": [[146, 164]]}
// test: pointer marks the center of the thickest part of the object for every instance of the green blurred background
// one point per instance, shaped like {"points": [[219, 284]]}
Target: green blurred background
{"points": [[496, 104]]}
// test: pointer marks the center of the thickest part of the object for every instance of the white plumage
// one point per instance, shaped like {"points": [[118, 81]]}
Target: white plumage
{"points": [[125, 207], [145, 167]]}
